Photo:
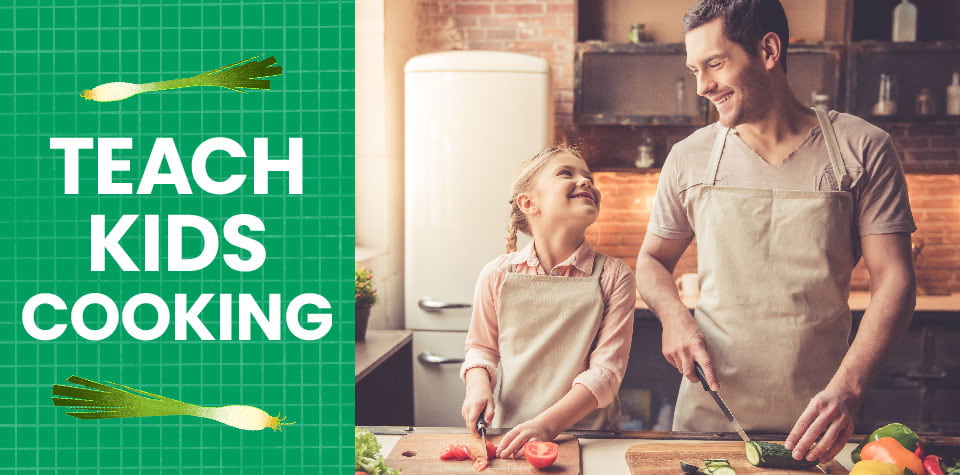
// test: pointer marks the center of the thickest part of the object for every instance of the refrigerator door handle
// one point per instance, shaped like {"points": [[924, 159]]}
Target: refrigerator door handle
{"points": [[429, 305], [431, 359]]}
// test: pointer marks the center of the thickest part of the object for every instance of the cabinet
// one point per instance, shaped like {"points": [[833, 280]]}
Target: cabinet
{"points": [[624, 93], [918, 383], [635, 84], [913, 67], [649, 84]]}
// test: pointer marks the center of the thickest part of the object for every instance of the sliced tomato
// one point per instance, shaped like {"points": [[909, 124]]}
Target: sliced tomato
{"points": [[480, 464], [491, 450], [540, 454], [457, 452]]}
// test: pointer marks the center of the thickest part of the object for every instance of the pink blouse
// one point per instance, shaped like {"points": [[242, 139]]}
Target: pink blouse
{"points": [[608, 359]]}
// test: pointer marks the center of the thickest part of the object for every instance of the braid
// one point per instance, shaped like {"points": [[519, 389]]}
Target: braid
{"points": [[511, 237]]}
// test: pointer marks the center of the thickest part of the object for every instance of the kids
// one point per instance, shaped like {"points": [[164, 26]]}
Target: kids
{"points": [[552, 323]]}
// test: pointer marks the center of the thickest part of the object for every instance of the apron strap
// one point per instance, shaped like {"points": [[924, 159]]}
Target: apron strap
{"points": [[833, 150], [714, 163]]}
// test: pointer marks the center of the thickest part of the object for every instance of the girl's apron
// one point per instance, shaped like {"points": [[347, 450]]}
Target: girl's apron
{"points": [[774, 271], [548, 327]]}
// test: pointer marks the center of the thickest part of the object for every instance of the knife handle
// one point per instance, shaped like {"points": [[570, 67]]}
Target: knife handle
{"points": [[701, 376], [482, 424]]}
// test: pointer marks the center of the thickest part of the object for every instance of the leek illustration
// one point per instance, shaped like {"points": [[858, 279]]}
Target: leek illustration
{"points": [[246, 74], [110, 402]]}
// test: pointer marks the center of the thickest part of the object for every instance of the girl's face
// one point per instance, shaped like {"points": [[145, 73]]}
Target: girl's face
{"points": [[563, 190]]}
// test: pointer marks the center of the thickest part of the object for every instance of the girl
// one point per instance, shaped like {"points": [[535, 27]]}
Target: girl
{"points": [[555, 318]]}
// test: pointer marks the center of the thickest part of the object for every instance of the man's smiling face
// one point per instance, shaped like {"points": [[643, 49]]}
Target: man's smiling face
{"points": [[733, 81]]}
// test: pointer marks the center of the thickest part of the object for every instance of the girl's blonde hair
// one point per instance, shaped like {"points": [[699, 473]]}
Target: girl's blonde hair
{"points": [[523, 182]]}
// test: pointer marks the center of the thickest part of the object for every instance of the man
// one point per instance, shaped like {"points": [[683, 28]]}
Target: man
{"points": [[783, 201]]}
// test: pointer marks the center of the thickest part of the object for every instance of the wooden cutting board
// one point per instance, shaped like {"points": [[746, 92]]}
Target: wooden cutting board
{"points": [[420, 453], [665, 458]]}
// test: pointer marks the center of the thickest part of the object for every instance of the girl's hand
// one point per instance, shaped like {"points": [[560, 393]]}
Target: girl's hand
{"points": [[511, 445], [479, 399]]}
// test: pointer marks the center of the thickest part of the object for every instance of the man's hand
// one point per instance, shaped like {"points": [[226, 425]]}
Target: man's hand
{"points": [[683, 344], [479, 399], [824, 426]]}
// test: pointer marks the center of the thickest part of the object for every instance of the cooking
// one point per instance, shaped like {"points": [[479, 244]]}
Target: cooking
{"points": [[754, 301]]}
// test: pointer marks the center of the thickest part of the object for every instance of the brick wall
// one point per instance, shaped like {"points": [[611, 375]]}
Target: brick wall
{"points": [[544, 28], [936, 207]]}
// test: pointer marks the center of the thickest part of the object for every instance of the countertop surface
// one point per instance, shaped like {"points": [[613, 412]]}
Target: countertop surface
{"points": [[377, 347], [859, 301], [605, 452], [599, 454]]}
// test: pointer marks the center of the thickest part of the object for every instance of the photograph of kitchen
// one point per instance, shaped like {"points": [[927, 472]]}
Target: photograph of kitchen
{"points": [[453, 96]]}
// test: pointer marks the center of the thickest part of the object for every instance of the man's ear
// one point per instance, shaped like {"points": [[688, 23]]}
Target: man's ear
{"points": [[770, 50], [527, 205]]}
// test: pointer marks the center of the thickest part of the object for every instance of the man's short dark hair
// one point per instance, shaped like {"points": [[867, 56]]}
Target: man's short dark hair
{"points": [[744, 21]]}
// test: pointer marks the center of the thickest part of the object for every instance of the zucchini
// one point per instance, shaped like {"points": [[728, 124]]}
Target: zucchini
{"points": [[768, 454], [717, 466]]}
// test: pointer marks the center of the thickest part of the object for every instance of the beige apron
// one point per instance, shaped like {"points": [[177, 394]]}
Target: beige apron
{"points": [[774, 269], [548, 327]]}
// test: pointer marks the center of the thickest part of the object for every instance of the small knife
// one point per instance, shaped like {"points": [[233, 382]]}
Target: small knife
{"points": [[723, 405], [482, 429], [726, 410]]}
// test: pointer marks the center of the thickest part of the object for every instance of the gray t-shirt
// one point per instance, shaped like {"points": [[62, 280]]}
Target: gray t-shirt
{"points": [[879, 188]]}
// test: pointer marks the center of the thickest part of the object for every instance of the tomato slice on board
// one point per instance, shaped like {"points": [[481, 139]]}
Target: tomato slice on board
{"points": [[491, 450], [457, 452], [480, 464], [540, 454]]}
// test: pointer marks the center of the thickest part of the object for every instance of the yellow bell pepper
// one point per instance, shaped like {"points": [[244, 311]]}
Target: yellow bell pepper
{"points": [[887, 449], [875, 467]]}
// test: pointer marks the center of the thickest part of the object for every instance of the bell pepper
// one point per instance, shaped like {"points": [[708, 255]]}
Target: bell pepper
{"points": [[887, 449], [903, 434], [931, 463], [875, 467]]}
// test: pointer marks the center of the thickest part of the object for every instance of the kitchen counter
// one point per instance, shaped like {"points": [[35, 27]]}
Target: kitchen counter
{"points": [[859, 300], [377, 347], [384, 378], [605, 452]]}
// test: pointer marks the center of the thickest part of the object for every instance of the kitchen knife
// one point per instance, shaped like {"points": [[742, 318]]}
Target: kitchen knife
{"points": [[482, 429], [723, 405], [726, 410]]}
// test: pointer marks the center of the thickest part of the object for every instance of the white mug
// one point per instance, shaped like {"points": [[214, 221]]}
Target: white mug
{"points": [[688, 284]]}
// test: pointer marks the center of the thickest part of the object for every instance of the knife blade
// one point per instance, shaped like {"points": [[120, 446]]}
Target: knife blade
{"points": [[726, 410], [482, 430], [720, 402]]}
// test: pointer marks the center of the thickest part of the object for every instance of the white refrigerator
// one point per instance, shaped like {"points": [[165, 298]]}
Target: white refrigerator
{"points": [[471, 117]]}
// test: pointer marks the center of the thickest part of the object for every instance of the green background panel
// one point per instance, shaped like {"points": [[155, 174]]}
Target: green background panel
{"points": [[53, 52]]}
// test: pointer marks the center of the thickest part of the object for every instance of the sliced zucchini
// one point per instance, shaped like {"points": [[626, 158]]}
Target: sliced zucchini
{"points": [[714, 465], [768, 454], [728, 470]]}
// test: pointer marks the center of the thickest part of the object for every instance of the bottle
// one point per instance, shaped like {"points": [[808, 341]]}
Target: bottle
{"points": [[905, 21], [820, 101], [644, 154], [953, 96], [924, 105], [681, 96], [637, 33], [886, 103]]}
